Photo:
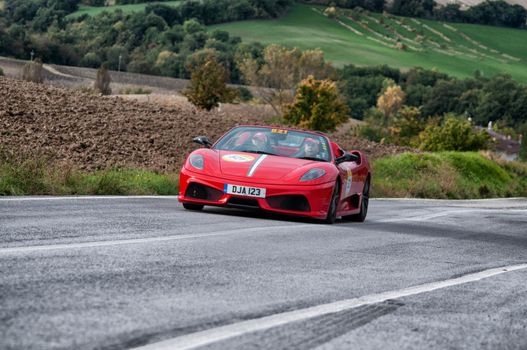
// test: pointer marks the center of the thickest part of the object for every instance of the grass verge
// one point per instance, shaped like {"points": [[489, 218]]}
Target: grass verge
{"points": [[36, 176], [448, 175]]}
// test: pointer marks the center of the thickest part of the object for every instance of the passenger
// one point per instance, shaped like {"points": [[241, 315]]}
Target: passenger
{"points": [[311, 148]]}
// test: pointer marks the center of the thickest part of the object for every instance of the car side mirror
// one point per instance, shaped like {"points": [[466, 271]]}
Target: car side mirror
{"points": [[202, 140], [347, 157]]}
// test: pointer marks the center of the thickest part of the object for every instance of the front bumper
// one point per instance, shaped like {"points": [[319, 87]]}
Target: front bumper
{"points": [[317, 197]]}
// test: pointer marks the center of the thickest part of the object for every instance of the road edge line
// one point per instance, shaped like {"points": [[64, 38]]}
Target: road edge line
{"points": [[206, 337], [109, 243]]}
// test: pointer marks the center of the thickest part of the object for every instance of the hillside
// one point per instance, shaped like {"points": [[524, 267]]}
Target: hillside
{"points": [[92, 132], [95, 10], [95, 132], [468, 3], [456, 49]]}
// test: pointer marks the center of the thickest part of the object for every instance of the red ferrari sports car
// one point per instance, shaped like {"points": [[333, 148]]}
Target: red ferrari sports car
{"points": [[280, 170]]}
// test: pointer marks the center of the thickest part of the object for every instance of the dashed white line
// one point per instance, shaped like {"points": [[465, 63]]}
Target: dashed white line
{"points": [[194, 340], [428, 216], [39, 248]]}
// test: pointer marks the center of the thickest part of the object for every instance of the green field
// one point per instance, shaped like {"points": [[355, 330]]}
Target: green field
{"points": [[456, 49], [92, 10]]}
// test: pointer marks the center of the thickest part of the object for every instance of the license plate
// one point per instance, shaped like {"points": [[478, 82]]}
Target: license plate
{"points": [[244, 191]]}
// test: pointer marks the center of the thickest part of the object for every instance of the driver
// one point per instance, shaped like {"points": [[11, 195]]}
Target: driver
{"points": [[261, 142], [311, 147]]}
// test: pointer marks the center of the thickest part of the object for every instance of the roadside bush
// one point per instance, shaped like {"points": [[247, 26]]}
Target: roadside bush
{"points": [[1, 72], [317, 106], [402, 129], [372, 129], [33, 71], [406, 126], [244, 94], [455, 134]]}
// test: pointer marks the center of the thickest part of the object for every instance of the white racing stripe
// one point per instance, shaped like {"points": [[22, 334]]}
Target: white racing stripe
{"points": [[256, 164], [206, 337], [31, 249]]}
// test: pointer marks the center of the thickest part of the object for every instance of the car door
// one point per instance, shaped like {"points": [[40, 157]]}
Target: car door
{"points": [[345, 172]]}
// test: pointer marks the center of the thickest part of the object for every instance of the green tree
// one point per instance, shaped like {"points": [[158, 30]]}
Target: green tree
{"points": [[391, 100], [406, 126], [455, 134], [279, 71], [317, 106], [207, 87]]}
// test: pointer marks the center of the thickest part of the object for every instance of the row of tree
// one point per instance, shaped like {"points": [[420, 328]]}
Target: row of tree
{"points": [[482, 99], [206, 11], [488, 12], [317, 104]]}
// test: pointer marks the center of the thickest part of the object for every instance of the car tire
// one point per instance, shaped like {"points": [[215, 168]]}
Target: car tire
{"points": [[191, 206], [364, 203], [332, 211]]}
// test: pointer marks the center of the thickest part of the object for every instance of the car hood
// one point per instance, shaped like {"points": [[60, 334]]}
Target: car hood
{"points": [[259, 166]]}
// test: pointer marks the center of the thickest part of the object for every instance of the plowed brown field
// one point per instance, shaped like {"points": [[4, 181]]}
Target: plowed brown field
{"points": [[93, 132]]}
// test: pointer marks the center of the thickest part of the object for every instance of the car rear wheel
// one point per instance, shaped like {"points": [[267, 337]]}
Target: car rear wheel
{"points": [[191, 206], [361, 216], [332, 211]]}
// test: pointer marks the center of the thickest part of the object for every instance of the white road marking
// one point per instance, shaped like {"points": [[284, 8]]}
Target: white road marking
{"points": [[39, 248], [425, 217], [213, 335], [44, 198]]}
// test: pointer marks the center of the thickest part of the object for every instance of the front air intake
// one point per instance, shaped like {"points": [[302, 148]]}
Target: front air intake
{"points": [[199, 191], [289, 202]]}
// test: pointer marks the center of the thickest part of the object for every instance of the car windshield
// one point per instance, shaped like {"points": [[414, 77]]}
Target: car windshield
{"points": [[278, 142]]}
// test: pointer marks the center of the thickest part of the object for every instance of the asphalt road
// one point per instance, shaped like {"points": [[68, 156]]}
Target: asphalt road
{"points": [[113, 273]]}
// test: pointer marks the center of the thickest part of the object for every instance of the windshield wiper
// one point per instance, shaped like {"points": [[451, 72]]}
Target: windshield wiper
{"points": [[312, 158], [259, 152]]}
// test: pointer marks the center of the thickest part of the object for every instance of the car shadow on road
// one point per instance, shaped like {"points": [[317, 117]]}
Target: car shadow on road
{"points": [[258, 214]]}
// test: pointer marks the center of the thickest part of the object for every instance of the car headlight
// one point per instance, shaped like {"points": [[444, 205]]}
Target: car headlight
{"points": [[313, 174], [196, 160]]}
